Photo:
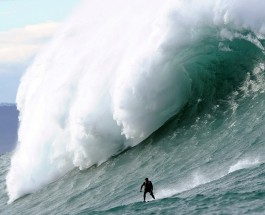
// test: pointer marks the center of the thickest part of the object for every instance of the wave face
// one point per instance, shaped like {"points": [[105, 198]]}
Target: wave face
{"points": [[117, 71]]}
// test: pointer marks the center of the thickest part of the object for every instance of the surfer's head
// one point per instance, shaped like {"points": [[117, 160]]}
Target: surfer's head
{"points": [[146, 179]]}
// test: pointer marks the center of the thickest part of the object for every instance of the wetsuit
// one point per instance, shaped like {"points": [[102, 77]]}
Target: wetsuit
{"points": [[148, 188]]}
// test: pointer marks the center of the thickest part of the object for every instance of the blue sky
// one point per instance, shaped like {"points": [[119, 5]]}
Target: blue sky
{"points": [[25, 27]]}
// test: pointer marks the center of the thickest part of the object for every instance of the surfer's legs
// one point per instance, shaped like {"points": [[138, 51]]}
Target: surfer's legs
{"points": [[144, 195], [151, 193]]}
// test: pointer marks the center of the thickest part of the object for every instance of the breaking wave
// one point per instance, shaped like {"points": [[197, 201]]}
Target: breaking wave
{"points": [[117, 71]]}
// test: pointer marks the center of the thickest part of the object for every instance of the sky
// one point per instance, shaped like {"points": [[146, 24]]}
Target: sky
{"points": [[25, 27]]}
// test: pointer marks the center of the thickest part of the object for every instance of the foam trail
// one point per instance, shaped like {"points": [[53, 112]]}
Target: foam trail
{"points": [[110, 78], [195, 179], [244, 164]]}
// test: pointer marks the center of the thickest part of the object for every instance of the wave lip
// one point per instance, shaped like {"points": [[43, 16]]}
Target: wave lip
{"points": [[89, 95]]}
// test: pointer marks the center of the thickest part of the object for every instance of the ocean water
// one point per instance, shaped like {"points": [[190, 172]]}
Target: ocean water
{"points": [[174, 92], [8, 127]]}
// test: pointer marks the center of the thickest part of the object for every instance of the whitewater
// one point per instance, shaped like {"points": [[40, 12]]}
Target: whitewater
{"points": [[171, 90]]}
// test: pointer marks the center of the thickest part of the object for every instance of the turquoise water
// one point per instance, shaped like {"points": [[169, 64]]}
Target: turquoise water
{"points": [[188, 114]]}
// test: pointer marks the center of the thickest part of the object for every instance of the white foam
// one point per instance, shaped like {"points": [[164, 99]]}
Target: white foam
{"points": [[244, 164], [194, 180]]}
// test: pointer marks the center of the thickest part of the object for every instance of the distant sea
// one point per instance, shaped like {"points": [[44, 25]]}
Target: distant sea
{"points": [[8, 127]]}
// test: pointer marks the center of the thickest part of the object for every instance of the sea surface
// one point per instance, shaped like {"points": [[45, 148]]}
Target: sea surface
{"points": [[8, 127], [178, 98]]}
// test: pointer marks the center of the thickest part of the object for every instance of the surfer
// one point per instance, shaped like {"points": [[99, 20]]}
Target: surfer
{"points": [[148, 188]]}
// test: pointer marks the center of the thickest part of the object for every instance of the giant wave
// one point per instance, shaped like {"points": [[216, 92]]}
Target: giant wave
{"points": [[117, 71]]}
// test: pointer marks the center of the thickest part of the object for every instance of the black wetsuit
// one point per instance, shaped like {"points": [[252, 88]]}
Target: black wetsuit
{"points": [[148, 188]]}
